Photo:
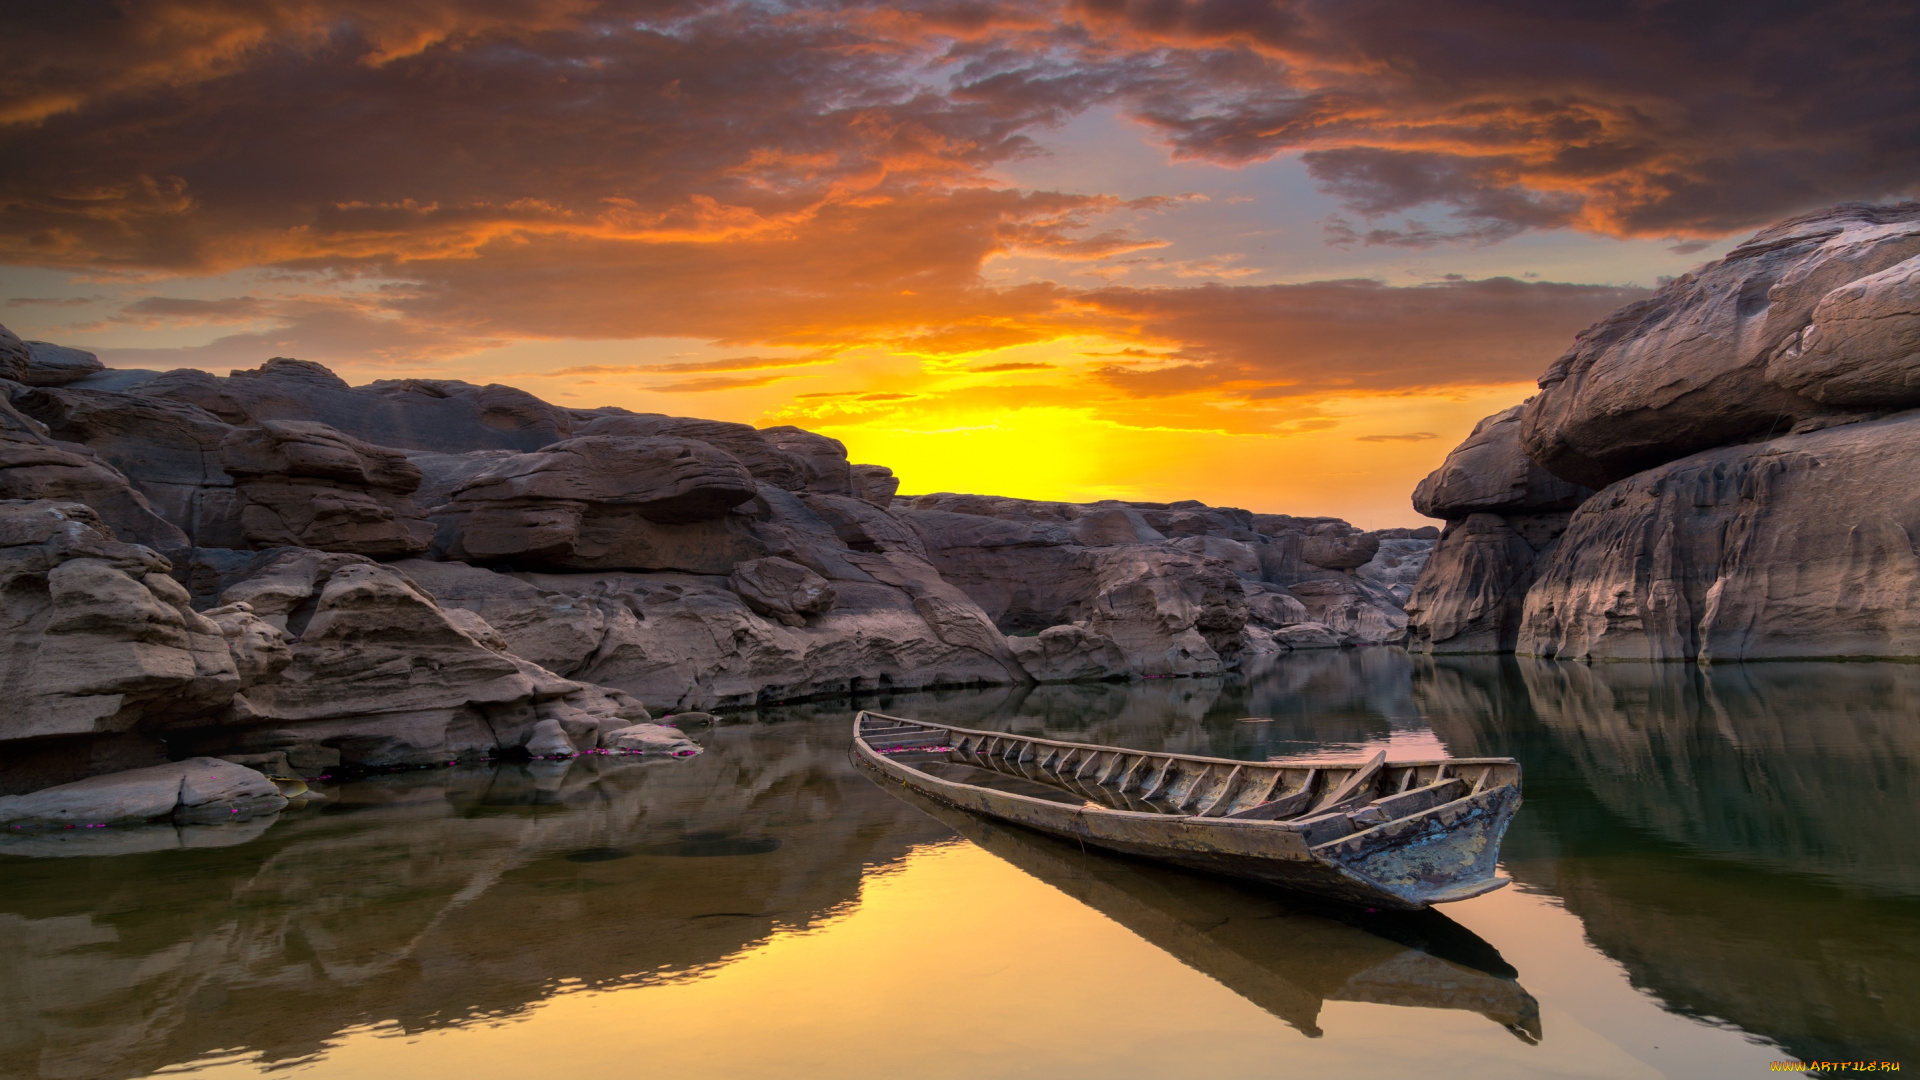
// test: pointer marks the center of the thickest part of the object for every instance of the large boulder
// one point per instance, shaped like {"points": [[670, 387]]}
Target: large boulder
{"points": [[782, 589], [304, 484], [1504, 514], [96, 637], [823, 460], [168, 450], [1731, 352], [1489, 473], [767, 461], [1339, 547], [874, 483], [1862, 347], [58, 365], [200, 789], [15, 358], [1798, 546], [604, 502]]}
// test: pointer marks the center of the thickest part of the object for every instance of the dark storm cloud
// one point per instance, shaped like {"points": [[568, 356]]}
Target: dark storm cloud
{"points": [[1632, 118]]}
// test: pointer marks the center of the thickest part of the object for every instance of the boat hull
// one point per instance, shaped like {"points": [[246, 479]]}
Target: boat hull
{"points": [[1445, 854]]}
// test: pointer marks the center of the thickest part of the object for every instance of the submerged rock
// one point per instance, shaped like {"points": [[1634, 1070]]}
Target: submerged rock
{"points": [[199, 789], [649, 739]]}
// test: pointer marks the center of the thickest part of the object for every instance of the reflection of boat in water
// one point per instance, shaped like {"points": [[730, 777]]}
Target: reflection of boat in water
{"points": [[1276, 954], [1403, 835]]}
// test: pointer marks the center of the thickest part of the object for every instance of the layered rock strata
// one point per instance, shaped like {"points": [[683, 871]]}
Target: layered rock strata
{"points": [[1798, 324], [1745, 429], [1504, 516], [303, 484], [299, 575]]}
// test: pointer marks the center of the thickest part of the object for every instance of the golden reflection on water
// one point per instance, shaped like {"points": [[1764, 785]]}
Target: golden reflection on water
{"points": [[953, 963], [1711, 866]]}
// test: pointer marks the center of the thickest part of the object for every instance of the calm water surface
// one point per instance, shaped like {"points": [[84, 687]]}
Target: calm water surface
{"points": [[1715, 870]]}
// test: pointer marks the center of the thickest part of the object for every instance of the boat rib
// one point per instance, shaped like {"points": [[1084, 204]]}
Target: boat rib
{"points": [[1404, 834]]}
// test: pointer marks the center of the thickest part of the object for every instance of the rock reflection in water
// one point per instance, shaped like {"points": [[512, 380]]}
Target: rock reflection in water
{"points": [[1741, 838], [434, 897], [1286, 958]]}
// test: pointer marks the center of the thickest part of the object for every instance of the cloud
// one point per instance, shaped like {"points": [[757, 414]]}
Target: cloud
{"points": [[732, 363], [1262, 342], [1411, 436], [718, 382], [448, 175], [987, 369], [1621, 119]]}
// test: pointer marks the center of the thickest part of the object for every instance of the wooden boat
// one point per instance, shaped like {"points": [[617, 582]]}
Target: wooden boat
{"points": [[1402, 835], [1287, 958]]}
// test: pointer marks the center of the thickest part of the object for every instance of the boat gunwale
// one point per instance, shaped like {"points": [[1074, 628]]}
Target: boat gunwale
{"points": [[858, 737], [1295, 825]]}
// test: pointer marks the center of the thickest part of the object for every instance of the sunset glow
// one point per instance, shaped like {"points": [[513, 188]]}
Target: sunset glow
{"points": [[1267, 257]]}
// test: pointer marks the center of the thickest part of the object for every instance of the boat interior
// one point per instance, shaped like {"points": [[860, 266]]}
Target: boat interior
{"points": [[1344, 796]]}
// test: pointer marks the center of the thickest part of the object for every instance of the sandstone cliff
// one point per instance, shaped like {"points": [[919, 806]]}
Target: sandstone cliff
{"points": [[1750, 433]]}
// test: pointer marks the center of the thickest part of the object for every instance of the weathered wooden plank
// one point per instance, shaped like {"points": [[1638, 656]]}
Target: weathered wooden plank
{"points": [[1283, 807], [1222, 799], [1355, 786]]}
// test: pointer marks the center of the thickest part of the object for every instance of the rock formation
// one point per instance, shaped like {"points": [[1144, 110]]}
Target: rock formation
{"points": [[1745, 430], [1734, 350], [612, 502], [1504, 516], [302, 484], [280, 569]]}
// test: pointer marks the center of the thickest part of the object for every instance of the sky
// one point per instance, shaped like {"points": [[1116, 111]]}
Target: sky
{"points": [[1270, 254]]}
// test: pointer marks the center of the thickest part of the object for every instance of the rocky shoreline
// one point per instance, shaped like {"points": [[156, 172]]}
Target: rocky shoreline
{"points": [[278, 570]]}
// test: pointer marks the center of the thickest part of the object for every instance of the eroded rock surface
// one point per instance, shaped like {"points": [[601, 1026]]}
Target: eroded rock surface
{"points": [[1743, 347], [200, 789], [303, 484], [604, 502], [1797, 546], [1504, 515], [96, 637], [168, 450]]}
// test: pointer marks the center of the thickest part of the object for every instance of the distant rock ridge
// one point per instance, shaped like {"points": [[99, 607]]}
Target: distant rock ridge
{"points": [[1719, 472], [283, 570]]}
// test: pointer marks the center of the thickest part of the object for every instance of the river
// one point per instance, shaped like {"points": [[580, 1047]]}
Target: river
{"points": [[1714, 869]]}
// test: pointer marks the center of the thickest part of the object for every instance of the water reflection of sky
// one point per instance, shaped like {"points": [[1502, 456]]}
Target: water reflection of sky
{"points": [[1700, 885]]}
